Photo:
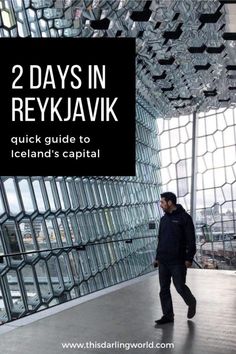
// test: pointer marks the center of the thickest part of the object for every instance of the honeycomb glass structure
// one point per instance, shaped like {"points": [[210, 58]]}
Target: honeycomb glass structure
{"points": [[69, 236], [185, 52], [215, 192], [75, 235]]}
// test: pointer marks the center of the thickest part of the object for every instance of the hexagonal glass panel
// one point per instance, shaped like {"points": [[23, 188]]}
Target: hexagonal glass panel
{"points": [[30, 287], [26, 195], [15, 296], [12, 196], [40, 200], [28, 237], [43, 280]]}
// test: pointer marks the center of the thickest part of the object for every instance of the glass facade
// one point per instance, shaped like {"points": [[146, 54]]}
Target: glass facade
{"points": [[215, 177], [48, 218], [75, 232]]}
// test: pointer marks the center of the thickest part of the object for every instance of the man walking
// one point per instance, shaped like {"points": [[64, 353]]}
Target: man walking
{"points": [[175, 251]]}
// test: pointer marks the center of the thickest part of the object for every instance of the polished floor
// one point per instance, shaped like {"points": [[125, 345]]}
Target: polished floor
{"points": [[126, 315]]}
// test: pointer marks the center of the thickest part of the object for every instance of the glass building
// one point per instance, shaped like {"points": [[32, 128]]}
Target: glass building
{"points": [[62, 237]]}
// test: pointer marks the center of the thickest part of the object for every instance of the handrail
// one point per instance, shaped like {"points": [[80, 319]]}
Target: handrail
{"points": [[81, 247]]}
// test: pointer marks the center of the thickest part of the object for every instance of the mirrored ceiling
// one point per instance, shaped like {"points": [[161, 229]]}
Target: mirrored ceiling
{"points": [[186, 49]]}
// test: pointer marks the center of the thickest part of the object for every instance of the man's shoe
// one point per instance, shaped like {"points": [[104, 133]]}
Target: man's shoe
{"points": [[192, 309], [164, 320]]}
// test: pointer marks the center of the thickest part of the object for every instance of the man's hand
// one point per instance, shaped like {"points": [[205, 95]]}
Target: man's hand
{"points": [[155, 264], [188, 264]]}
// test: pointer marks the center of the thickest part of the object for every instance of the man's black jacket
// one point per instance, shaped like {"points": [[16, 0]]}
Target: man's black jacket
{"points": [[176, 239]]}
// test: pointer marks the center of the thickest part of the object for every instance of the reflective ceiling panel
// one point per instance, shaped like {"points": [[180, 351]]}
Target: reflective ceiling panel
{"points": [[186, 49]]}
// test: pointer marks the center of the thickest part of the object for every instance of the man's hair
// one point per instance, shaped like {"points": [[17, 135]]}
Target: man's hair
{"points": [[169, 196]]}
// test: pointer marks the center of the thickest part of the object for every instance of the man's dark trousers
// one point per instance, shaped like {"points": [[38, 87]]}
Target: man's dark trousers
{"points": [[178, 273]]}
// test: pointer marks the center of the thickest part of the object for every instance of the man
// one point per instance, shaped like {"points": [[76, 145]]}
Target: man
{"points": [[175, 251]]}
